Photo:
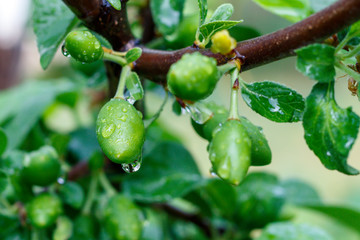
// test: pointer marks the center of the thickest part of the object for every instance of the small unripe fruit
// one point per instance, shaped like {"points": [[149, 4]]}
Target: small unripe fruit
{"points": [[193, 77], [222, 42], [41, 167], [43, 210], [122, 219], [120, 131], [220, 115], [230, 151], [83, 46]]}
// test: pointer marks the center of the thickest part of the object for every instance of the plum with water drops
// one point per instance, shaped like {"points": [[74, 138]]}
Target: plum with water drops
{"points": [[120, 131], [83, 46], [230, 151], [193, 77]]}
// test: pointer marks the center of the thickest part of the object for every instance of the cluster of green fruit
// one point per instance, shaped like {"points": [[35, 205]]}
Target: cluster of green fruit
{"points": [[235, 143]]}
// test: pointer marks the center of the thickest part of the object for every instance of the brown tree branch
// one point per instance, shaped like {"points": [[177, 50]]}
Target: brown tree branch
{"points": [[154, 64]]}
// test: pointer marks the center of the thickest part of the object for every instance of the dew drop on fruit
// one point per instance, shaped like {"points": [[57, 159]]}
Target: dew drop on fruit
{"points": [[124, 110], [123, 118], [132, 167], [107, 130], [65, 51]]}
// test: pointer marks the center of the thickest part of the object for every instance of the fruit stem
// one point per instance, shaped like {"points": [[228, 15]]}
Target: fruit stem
{"points": [[234, 94], [122, 81], [114, 58], [348, 71], [226, 68], [353, 52], [91, 194], [104, 181]]}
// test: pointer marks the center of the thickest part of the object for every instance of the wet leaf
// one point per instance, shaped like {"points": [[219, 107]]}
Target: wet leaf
{"points": [[169, 171], [317, 62], [293, 11], [207, 30], [133, 54], [291, 231], [134, 86], [330, 131], [115, 4], [223, 12], [203, 8], [52, 21], [274, 101], [167, 14], [72, 194]]}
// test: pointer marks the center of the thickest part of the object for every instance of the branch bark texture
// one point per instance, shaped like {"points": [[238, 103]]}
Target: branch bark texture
{"points": [[268, 48]]}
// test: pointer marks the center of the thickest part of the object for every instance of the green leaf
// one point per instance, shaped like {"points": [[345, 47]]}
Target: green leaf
{"points": [[215, 190], [260, 199], [29, 101], [223, 12], [330, 131], [115, 4], [3, 181], [242, 33], [347, 216], [293, 11], [317, 62], [354, 30], [8, 224], [167, 14], [134, 86], [12, 162], [83, 143], [52, 21], [168, 172], [133, 54], [300, 193], [64, 228], [203, 7], [318, 5], [291, 231], [3, 141], [274, 101], [207, 30], [72, 194]]}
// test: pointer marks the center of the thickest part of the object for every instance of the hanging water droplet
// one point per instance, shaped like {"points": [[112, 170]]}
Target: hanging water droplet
{"points": [[108, 130], [65, 51], [132, 167], [212, 172], [61, 180], [131, 100], [199, 112]]}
